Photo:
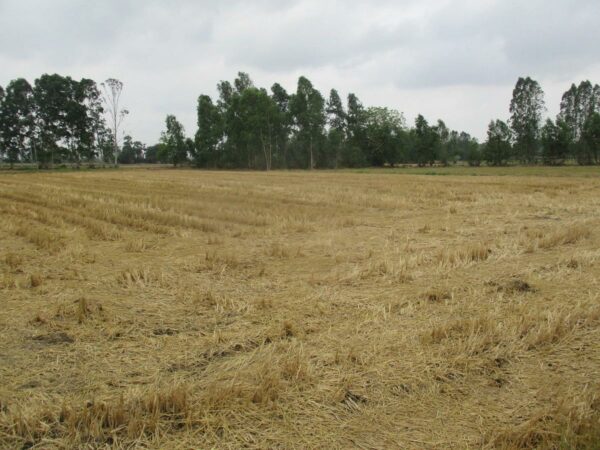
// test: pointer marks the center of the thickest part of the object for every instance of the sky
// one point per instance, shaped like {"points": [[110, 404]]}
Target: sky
{"points": [[456, 60]]}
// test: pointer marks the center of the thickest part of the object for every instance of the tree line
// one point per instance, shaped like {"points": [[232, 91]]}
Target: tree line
{"points": [[58, 119]]}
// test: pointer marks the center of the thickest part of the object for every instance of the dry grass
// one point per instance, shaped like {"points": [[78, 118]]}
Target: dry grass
{"points": [[187, 309]]}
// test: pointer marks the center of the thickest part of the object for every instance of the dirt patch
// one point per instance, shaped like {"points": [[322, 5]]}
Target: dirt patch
{"points": [[54, 338], [512, 286]]}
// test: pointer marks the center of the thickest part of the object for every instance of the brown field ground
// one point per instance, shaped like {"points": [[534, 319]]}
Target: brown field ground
{"points": [[181, 309]]}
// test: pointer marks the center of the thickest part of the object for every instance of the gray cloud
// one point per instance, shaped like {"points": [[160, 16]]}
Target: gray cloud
{"points": [[455, 59]]}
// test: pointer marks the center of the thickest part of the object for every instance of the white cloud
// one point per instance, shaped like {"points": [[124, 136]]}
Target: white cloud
{"points": [[450, 59]]}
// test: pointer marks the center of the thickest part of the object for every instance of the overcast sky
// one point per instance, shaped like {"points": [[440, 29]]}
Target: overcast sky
{"points": [[452, 59]]}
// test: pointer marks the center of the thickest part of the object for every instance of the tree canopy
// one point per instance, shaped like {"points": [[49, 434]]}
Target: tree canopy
{"points": [[59, 119]]}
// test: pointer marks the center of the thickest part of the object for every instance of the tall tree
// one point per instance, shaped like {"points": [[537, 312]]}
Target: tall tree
{"points": [[83, 118], [443, 133], [526, 108], [174, 140], [282, 123], [51, 94], [591, 139], [258, 112], [354, 150], [384, 132], [209, 134], [497, 149], [556, 140], [426, 142], [577, 105], [112, 98], [308, 110], [336, 119], [132, 151], [17, 120]]}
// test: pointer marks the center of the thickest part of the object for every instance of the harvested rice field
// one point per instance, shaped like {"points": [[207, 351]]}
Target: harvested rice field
{"points": [[180, 309]]}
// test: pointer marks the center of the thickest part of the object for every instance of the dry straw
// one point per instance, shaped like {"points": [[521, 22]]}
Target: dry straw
{"points": [[187, 309]]}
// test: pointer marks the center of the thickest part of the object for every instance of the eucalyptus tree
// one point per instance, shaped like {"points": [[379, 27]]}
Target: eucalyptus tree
{"points": [[526, 108], [209, 134], [497, 149], [258, 113], [556, 141], [384, 135], [336, 120], [591, 138], [132, 151], [308, 111], [17, 121], [51, 94], [426, 142], [112, 98], [174, 141], [83, 118], [443, 150], [577, 106], [282, 123]]}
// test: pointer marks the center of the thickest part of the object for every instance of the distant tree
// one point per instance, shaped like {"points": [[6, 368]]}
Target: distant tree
{"points": [[174, 141], [356, 140], [16, 120], [308, 110], [577, 106], [151, 154], [163, 154], [132, 151], [556, 141], [105, 145], [112, 98], [384, 130], [83, 119], [336, 137], [443, 148], [282, 124], [497, 149], [526, 108], [591, 139], [474, 155], [209, 134], [52, 97], [426, 142], [258, 113]]}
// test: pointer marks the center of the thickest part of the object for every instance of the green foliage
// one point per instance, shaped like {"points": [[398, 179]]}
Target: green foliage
{"points": [[59, 120], [248, 129], [175, 146], [577, 108], [590, 144], [384, 136], [307, 107], [556, 142], [526, 108], [426, 142], [209, 134], [132, 151], [17, 121], [497, 149]]}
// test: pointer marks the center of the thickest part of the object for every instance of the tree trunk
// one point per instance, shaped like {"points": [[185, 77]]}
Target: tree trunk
{"points": [[312, 164]]}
